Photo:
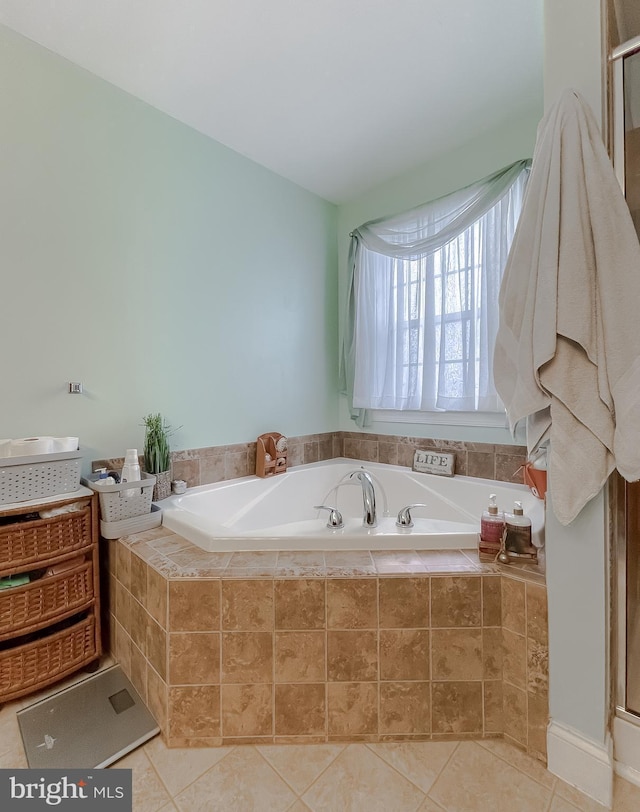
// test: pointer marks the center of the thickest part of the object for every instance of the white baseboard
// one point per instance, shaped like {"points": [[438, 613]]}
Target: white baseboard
{"points": [[581, 762], [628, 773], [626, 750]]}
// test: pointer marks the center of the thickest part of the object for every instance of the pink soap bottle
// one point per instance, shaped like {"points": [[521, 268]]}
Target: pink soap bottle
{"points": [[491, 525]]}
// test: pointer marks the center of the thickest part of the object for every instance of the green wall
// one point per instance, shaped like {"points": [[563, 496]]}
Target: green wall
{"points": [[159, 268], [512, 139], [169, 273]]}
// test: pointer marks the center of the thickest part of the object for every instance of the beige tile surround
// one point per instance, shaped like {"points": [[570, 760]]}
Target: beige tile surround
{"points": [[329, 647], [203, 466], [285, 647]]}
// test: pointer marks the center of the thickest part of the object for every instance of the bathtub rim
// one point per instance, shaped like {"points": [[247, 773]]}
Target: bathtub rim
{"points": [[405, 469], [199, 532]]}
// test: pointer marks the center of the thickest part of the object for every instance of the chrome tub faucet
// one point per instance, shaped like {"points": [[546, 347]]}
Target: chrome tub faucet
{"points": [[368, 498]]}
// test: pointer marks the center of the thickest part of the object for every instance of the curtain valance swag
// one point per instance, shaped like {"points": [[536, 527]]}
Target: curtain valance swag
{"points": [[415, 235]]}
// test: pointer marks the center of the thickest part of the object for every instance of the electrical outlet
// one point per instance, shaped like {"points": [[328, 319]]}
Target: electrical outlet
{"points": [[75, 388]]}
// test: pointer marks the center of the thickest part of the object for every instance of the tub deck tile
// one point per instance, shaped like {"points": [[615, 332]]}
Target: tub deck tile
{"points": [[348, 563], [193, 558], [348, 558], [300, 558], [174, 557], [248, 572], [259, 558], [523, 570], [447, 561], [198, 572], [170, 543], [159, 563], [393, 562], [301, 572], [349, 572]]}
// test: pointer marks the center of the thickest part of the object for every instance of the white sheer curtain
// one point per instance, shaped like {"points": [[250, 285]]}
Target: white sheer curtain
{"points": [[423, 308]]}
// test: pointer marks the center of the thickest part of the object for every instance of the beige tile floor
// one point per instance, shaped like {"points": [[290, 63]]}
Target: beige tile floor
{"points": [[465, 776]]}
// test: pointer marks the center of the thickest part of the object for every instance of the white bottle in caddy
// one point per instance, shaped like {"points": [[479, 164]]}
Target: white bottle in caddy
{"points": [[130, 471]]}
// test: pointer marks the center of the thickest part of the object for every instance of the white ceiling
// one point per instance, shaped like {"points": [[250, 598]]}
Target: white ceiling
{"points": [[336, 95]]}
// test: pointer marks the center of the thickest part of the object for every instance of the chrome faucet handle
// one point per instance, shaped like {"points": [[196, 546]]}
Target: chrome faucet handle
{"points": [[334, 522], [404, 515]]}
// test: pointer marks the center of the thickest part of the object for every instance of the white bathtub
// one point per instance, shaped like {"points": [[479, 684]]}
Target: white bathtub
{"points": [[277, 513]]}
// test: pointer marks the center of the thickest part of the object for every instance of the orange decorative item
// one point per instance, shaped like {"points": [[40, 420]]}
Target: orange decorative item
{"points": [[536, 479]]}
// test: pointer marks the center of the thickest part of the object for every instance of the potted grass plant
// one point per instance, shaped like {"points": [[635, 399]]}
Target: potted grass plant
{"points": [[157, 455]]}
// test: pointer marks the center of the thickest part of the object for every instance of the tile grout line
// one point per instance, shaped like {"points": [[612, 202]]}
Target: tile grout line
{"points": [[276, 772], [232, 748], [320, 774], [482, 657], [343, 748], [371, 745], [273, 659], [378, 669], [522, 772], [218, 589], [443, 768], [153, 768], [429, 579], [326, 660], [551, 797]]}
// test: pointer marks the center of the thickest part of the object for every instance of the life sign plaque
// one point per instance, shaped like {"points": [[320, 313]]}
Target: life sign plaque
{"points": [[434, 462]]}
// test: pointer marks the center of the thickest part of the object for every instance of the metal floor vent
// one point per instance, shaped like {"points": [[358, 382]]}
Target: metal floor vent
{"points": [[91, 724]]}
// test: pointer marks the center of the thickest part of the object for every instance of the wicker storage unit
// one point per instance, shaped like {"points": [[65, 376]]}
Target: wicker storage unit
{"points": [[28, 543], [35, 665], [28, 608], [49, 627]]}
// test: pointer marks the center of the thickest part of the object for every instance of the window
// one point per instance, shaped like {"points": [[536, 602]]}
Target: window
{"points": [[424, 304]]}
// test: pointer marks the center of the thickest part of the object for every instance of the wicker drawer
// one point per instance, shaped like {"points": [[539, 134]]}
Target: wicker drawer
{"points": [[27, 608], [34, 665], [38, 541]]}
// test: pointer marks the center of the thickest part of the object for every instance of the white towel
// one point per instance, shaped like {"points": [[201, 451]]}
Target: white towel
{"points": [[567, 355]]}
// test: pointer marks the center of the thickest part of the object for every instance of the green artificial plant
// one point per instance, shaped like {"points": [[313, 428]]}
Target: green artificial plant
{"points": [[157, 457]]}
